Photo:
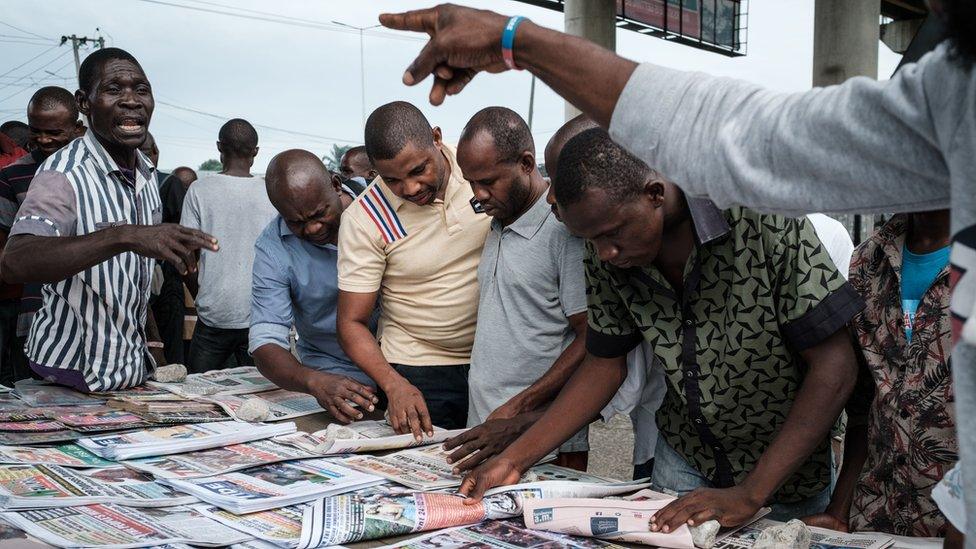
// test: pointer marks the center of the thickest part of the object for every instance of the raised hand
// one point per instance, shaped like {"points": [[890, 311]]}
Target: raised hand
{"points": [[169, 242]]}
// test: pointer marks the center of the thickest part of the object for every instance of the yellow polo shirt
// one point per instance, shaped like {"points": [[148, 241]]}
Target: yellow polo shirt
{"points": [[424, 262]]}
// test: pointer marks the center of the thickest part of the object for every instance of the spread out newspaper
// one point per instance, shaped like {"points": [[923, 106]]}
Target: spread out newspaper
{"points": [[361, 436], [282, 527], [37, 394], [189, 416], [504, 534], [282, 404], [821, 538], [47, 486], [114, 527], [379, 513], [9, 402], [67, 455], [613, 519], [103, 419], [217, 461], [423, 468], [274, 485], [232, 381], [51, 437], [180, 438]]}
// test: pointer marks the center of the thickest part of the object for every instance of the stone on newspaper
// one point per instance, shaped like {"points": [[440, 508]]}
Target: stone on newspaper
{"points": [[171, 373], [792, 535], [253, 409], [703, 535]]}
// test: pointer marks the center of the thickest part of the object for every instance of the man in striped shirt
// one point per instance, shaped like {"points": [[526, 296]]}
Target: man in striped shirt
{"points": [[89, 231]]}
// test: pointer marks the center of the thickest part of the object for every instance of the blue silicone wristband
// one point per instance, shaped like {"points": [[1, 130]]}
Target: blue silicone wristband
{"points": [[508, 36]]}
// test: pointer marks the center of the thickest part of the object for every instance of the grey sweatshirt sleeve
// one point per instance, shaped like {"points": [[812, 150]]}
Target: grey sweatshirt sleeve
{"points": [[858, 147]]}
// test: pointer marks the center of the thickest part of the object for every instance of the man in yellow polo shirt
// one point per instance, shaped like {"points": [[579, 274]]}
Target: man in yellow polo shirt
{"points": [[414, 239]]}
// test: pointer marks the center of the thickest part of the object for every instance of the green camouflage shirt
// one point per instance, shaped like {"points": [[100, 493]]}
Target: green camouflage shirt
{"points": [[757, 290]]}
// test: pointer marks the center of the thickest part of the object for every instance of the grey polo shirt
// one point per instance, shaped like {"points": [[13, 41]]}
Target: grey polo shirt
{"points": [[531, 279]]}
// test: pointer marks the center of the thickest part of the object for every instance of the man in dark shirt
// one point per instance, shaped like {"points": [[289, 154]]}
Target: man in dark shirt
{"points": [[53, 123]]}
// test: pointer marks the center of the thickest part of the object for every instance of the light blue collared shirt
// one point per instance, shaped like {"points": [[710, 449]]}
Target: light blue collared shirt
{"points": [[296, 282]]}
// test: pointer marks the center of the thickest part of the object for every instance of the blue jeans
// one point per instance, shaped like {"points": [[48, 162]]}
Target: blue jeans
{"points": [[217, 348], [673, 472]]}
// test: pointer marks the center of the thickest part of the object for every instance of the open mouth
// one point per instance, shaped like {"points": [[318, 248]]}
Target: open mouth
{"points": [[130, 126]]}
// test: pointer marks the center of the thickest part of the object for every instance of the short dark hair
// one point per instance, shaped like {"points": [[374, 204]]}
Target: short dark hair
{"points": [[92, 65], [507, 129], [390, 127], [238, 137], [353, 151], [961, 30], [50, 98], [592, 159], [17, 131]]}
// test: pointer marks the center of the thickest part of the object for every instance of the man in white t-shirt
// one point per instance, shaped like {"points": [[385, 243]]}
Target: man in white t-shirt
{"points": [[234, 205]]}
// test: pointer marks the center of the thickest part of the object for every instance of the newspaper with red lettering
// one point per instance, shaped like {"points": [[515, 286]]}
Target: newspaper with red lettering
{"points": [[111, 526], [217, 461], [180, 438], [47, 486], [361, 436], [380, 512], [231, 381], [281, 404], [274, 485]]}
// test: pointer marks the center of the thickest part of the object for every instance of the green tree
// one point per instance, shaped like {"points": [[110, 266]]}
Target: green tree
{"points": [[212, 165], [333, 158]]}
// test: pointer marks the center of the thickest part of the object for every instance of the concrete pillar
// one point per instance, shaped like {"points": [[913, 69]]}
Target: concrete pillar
{"points": [[845, 40], [594, 20]]}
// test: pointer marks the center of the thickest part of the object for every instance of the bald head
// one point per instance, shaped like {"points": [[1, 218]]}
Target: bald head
{"points": [[559, 139], [186, 176], [306, 194], [355, 163]]}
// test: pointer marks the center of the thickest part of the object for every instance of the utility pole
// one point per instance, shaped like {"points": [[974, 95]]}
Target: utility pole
{"points": [[362, 66], [531, 102], [76, 43]]}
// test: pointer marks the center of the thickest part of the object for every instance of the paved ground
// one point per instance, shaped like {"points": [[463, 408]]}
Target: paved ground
{"points": [[611, 448]]}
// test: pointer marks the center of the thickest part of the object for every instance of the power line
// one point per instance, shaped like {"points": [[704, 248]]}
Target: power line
{"points": [[272, 128], [7, 85], [25, 31], [29, 60], [275, 18]]}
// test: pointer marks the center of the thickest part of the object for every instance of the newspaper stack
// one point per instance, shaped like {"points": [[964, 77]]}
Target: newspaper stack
{"points": [[502, 534], [281, 404], [275, 485], [232, 381], [68, 455], [180, 438], [218, 461], [424, 468], [361, 436], [114, 527], [280, 527], [48, 486]]}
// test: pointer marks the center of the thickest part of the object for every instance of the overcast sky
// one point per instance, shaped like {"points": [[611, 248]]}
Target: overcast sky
{"points": [[304, 77]]}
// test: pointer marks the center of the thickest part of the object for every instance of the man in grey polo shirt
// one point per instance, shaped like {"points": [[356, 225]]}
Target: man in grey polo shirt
{"points": [[532, 305]]}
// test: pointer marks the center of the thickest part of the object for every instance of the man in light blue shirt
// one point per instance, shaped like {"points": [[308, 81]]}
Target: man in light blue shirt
{"points": [[295, 283]]}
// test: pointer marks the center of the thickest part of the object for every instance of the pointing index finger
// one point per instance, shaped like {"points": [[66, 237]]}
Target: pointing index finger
{"points": [[417, 20]]}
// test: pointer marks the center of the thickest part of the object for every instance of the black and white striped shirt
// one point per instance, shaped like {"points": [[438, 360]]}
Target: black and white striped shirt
{"points": [[93, 323]]}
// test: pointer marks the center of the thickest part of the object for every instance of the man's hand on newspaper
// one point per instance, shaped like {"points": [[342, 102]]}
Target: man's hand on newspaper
{"points": [[729, 506], [828, 521], [486, 440], [336, 394], [407, 410], [497, 471], [463, 42]]}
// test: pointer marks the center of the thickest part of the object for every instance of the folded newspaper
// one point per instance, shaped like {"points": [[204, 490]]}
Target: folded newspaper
{"points": [[50, 437], [232, 381], [424, 468], [47, 486], [180, 438], [361, 436], [281, 527], [612, 519], [281, 404], [274, 485], [115, 527], [380, 513], [67, 455], [101, 420], [821, 538], [218, 461], [38, 394], [202, 416], [503, 534]]}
